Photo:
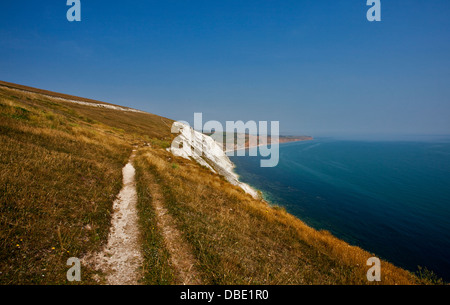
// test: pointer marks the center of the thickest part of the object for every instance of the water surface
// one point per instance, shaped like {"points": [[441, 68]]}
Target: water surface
{"points": [[388, 197]]}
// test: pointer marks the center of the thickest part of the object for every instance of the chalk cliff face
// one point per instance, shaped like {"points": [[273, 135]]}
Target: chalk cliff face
{"points": [[191, 144]]}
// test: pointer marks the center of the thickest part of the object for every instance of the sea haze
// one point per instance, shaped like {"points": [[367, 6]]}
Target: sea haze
{"points": [[388, 197]]}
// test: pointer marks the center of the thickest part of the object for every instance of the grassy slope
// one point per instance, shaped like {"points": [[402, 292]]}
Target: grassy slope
{"points": [[61, 169]]}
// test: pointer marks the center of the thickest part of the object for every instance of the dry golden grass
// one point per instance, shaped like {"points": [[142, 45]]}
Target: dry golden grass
{"points": [[60, 171]]}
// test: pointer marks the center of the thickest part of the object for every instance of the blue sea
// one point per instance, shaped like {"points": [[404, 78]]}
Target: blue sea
{"points": [[391, 198]]}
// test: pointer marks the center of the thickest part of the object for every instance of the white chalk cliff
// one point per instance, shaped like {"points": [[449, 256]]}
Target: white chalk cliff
{"points": [[191, 144]]}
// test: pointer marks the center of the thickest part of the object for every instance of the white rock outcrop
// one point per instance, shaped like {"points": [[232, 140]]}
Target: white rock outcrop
{"points": [[191, 144]]}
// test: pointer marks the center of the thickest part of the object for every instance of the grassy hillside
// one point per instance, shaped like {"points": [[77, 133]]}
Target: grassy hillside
{"points": [[61, 170]]}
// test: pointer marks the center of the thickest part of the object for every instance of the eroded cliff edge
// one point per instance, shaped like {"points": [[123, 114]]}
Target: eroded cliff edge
{"points": [[191, 144]]}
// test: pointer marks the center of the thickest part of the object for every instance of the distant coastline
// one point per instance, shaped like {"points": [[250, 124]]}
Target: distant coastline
{"points": [[251, 140]]}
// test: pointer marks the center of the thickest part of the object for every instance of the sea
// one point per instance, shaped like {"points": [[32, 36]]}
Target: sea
{"points": [[389, 197]]}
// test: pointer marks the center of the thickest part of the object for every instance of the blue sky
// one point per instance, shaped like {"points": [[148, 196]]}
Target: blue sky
{"points": [[317, 66]]}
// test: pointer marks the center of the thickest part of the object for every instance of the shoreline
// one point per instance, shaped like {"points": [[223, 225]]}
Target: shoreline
{"points": [[260, 145], [255, 190]]}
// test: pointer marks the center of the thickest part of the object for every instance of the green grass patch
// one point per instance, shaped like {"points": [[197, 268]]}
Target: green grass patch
{"points": [[156, 267]]}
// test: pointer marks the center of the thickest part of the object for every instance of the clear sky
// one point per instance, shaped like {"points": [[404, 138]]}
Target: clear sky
{"points": [[317, 66]]}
